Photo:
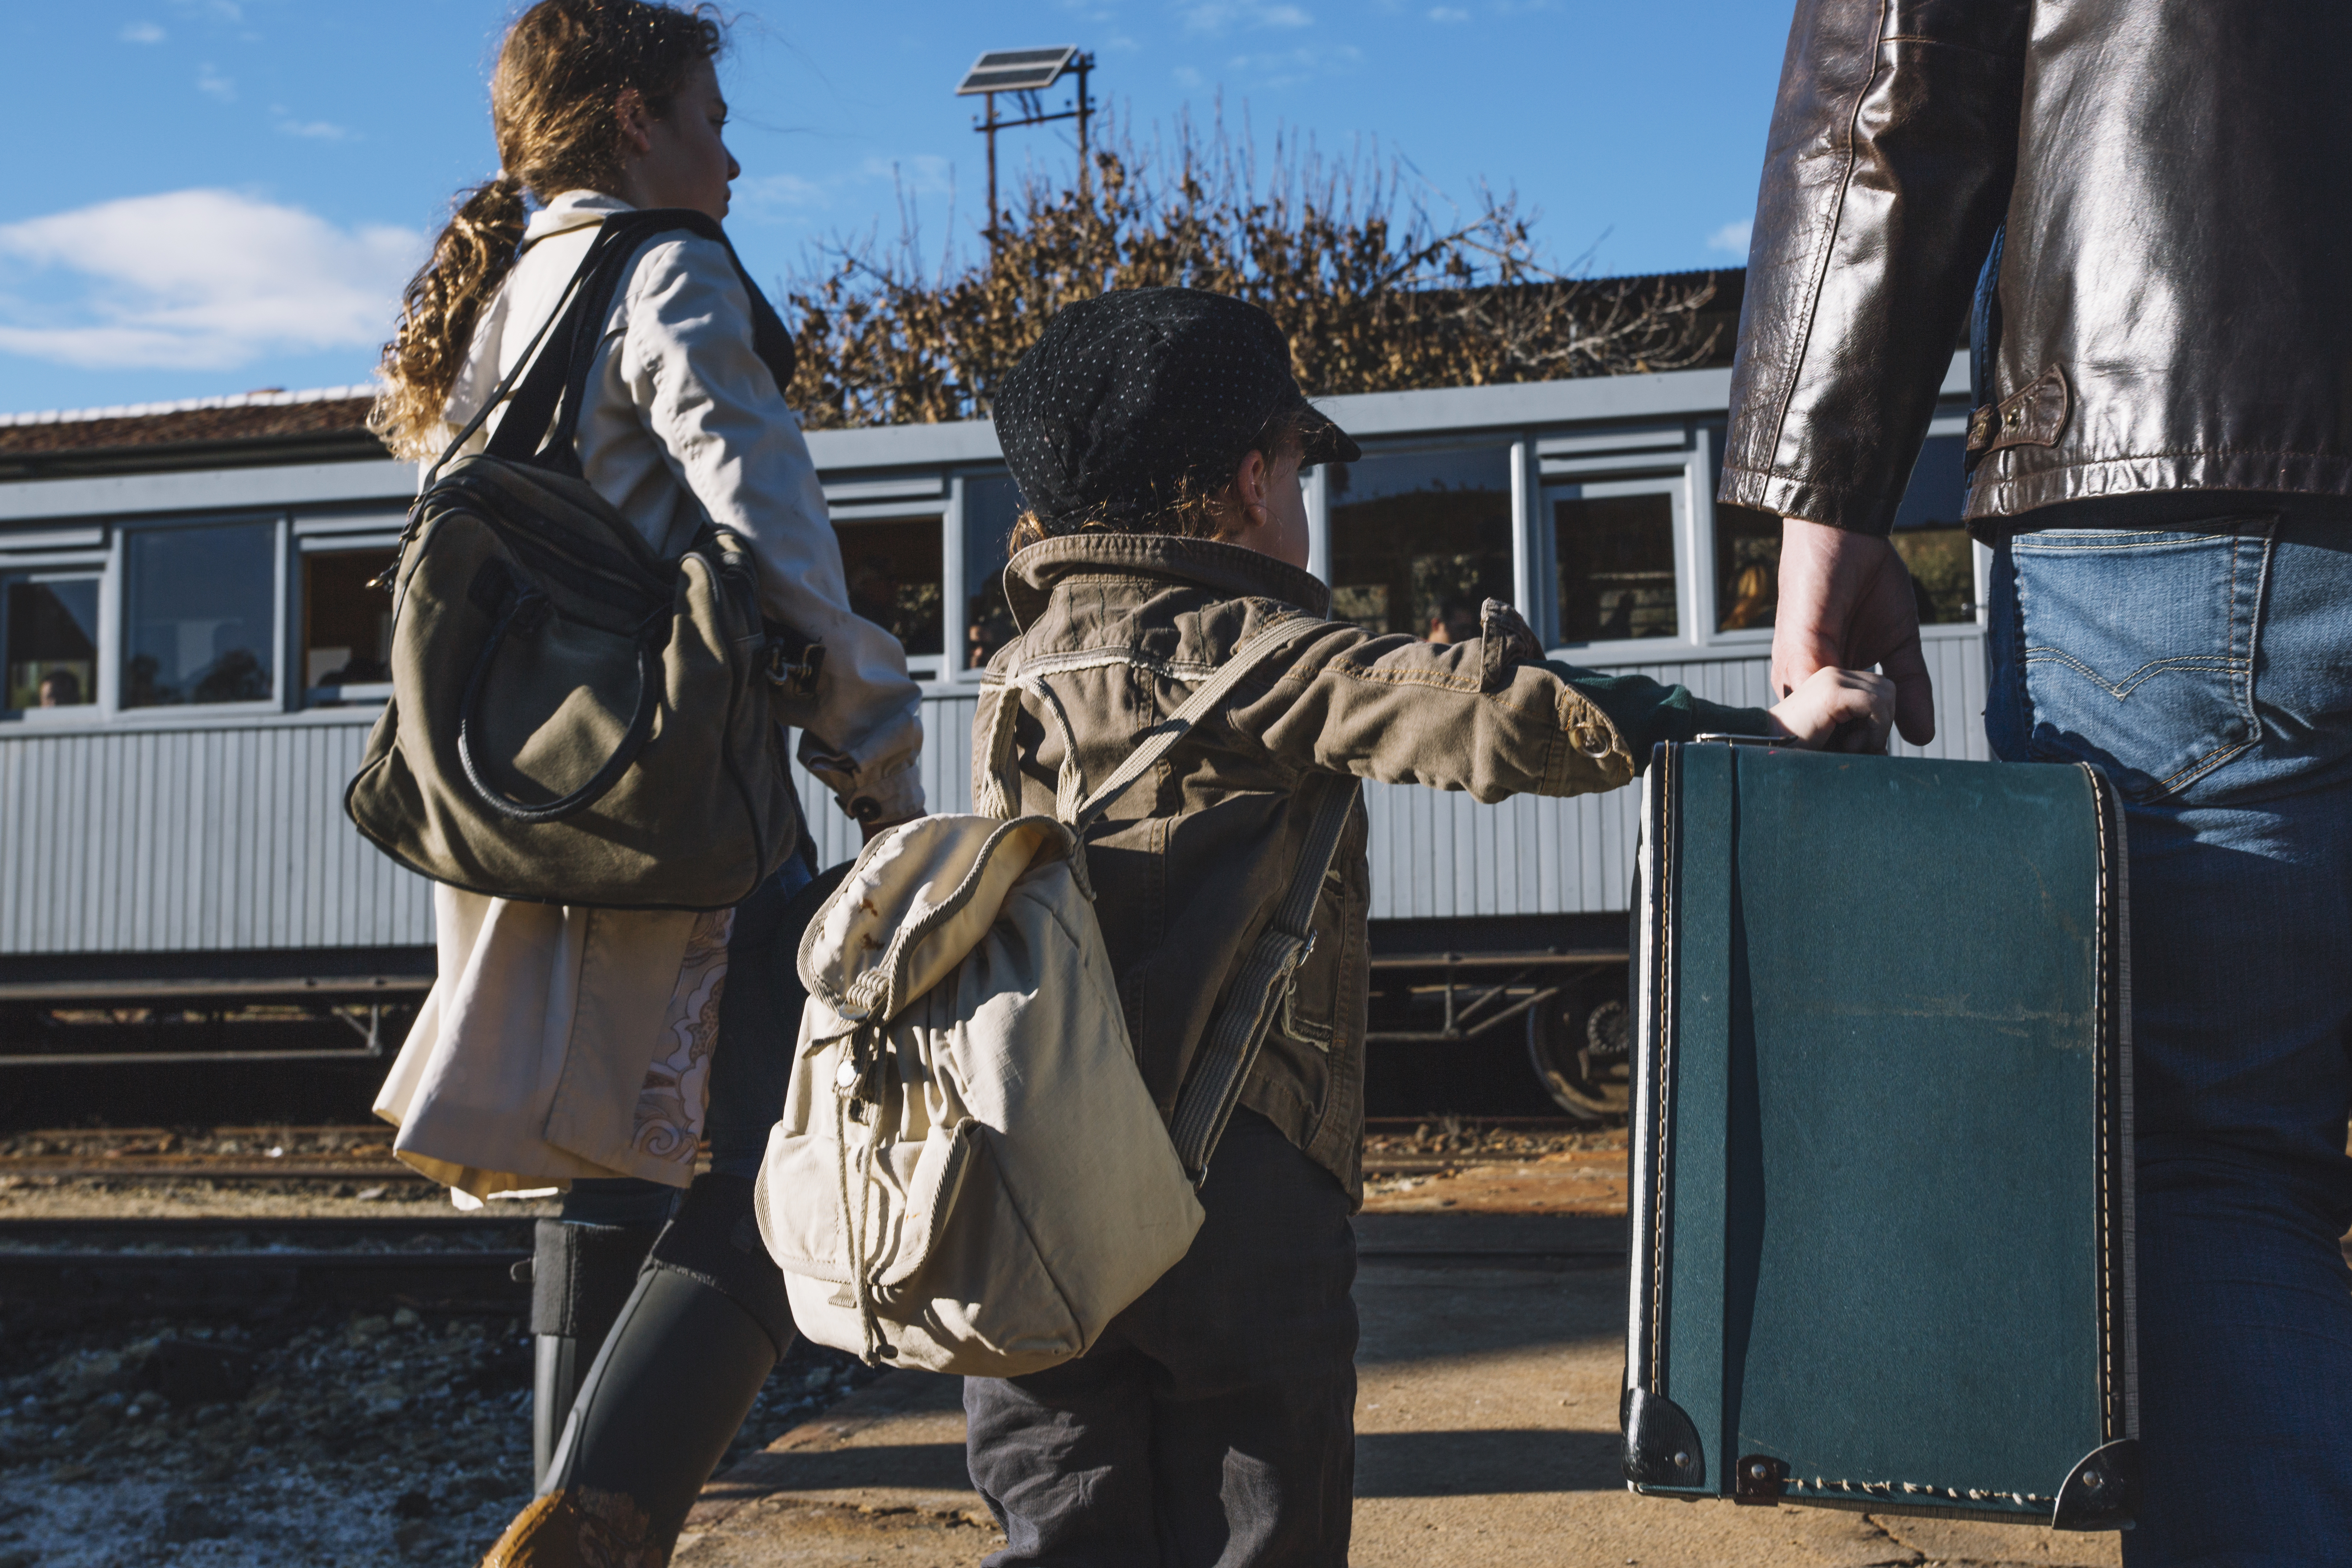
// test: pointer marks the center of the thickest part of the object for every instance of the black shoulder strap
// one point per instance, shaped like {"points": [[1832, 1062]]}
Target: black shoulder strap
{"points": [[553, 373]]}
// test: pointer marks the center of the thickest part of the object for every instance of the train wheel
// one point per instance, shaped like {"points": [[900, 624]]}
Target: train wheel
{"points": [[1579, 1050]]}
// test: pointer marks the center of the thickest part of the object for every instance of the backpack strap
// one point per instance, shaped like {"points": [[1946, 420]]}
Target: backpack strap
{"points": [[1237, 1030]]}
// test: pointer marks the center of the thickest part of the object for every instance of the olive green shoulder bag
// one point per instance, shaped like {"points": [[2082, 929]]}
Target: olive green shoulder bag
{"points": [[578, 717]]}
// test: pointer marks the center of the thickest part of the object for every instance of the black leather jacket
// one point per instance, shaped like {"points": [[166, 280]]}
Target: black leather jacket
{"points": [[2173, 304]]}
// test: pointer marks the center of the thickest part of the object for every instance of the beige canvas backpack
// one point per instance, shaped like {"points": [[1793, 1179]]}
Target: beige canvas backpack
{"points": [[971, 1176]]}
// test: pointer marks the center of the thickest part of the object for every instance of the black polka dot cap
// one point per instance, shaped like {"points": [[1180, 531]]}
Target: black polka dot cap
{"points": [[1128, 395]]}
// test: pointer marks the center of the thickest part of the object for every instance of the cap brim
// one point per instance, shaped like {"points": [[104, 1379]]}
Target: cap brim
{"points": [[1324, 442]]}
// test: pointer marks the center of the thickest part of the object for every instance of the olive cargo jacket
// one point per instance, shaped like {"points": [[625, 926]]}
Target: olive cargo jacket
{"points": [[1188, 862], [2173, 182]]}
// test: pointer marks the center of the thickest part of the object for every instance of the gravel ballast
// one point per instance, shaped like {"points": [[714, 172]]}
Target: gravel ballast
{"points": [[352, 1439]]}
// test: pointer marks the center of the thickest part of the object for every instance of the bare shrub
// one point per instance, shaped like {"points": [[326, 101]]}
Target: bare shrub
{"points": [[1375, 293]]}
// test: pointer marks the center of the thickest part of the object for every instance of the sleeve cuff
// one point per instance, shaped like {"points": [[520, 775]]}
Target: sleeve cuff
{"points": [[892, 798]]}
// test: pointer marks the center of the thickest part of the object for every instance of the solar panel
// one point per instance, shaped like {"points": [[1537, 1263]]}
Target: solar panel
{"points": [[1015, 70]]}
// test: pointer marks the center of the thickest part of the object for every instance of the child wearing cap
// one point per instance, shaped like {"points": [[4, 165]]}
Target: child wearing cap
{"points": [[1157, 436]]}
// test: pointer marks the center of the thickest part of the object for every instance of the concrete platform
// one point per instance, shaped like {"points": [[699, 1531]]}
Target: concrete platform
{"points": [[1486, 1420]]}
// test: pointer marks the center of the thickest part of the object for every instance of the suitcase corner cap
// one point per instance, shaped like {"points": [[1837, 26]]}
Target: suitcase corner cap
{"points": [[1661, 1445], [2102, 1491]]}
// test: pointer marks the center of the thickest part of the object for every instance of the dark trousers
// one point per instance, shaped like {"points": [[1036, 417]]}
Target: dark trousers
{"points": [[1215, 1420]]}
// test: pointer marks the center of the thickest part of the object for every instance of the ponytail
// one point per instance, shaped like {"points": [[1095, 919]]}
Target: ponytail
{"points": [[438, 312], [553, 109]]}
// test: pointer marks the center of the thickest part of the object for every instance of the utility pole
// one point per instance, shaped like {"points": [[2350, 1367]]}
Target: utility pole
{"points": [[1028, 72]]}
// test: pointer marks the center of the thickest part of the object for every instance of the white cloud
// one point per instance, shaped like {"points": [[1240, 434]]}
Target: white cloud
{"points": [[312, 130], [141, 33], [1186, 75], [763, 195], [199, 280], [214, 85], [1283, 67], [1448, 14], [1215, 16], [1732, 237]]}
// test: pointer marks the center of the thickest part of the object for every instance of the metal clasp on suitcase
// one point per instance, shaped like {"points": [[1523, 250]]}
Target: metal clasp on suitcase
{"points": [[1711, 738], [1759, 1479]]}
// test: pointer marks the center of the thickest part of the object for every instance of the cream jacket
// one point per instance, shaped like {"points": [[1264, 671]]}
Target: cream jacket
{"points": [[559, 1042]]}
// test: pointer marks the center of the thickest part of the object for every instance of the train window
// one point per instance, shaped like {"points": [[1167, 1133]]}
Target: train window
{"points": [[200, 615], [1418, 540], [1613, 543], [49, 621], [1930, 537], [1746, 567], [893, 568], [1928, 534], [991, 504], [346, 624]]}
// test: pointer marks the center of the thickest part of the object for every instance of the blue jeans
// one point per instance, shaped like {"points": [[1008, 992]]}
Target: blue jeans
{"points": [[2209, 670], [751, 1059]]}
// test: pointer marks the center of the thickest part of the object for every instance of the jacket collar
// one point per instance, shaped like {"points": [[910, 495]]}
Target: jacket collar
{"points": [[572, 209], [1030, 576]]}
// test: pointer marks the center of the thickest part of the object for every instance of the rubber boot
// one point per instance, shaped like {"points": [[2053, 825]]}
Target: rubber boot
{"points": [[706, 1324], [580, 1277]]}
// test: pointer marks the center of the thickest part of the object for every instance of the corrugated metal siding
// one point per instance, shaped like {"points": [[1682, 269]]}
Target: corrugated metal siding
{"points": [[235, 838], [947, 779], [193, 839]]}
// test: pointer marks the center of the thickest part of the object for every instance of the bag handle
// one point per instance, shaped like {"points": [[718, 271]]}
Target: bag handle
{"points": [[533, 606], [1237, 1031]]}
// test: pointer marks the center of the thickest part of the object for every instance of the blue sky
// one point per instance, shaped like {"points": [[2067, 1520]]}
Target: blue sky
{"points": [[219, 195]]}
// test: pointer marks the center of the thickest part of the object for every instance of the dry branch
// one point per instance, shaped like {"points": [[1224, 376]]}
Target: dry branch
{"points": [[1375, 294]]}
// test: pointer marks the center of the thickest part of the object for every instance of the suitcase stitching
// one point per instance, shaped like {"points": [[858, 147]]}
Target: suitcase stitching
{"points": [[2107, 1422], [1665, 1057]]}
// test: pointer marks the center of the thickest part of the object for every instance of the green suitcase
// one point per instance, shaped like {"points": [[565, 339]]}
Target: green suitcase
{"points": [[1881, 1142]]}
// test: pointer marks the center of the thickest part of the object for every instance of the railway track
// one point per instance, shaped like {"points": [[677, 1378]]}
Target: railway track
{"points": [[1395, 1146], [168, 1267], [171, 1267]]}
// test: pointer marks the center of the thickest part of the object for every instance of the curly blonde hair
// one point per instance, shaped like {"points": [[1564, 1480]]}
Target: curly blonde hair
{"points": [[555, 102]]}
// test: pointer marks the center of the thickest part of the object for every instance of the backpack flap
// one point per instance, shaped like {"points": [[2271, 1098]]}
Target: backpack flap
{"points": [[919, 897], [876, 1138]]}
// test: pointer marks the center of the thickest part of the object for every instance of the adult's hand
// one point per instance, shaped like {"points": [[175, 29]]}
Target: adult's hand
{"points": [[1846, 603]]}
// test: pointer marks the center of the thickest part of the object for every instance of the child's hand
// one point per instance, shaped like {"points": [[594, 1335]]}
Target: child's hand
{"points": [[1838, 709]]}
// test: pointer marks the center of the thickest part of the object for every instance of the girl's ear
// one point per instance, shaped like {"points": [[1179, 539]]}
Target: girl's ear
{"points": [[636, 122]]}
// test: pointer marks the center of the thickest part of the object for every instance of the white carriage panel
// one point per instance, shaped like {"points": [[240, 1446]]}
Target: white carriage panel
{"points": [[195, 839]]}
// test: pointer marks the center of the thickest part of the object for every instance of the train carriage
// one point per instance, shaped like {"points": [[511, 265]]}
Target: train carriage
{"points": [[192, 658]]}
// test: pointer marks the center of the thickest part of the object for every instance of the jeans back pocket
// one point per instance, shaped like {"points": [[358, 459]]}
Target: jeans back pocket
{"points": [[2133, 650]]}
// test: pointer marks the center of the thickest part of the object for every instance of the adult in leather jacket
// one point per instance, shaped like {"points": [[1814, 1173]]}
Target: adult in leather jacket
{"points": [[2171, 311], [2143, 209]]}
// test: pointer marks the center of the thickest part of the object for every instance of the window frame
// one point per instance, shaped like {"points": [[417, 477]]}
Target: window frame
{"points": [[1604, 483], [312, 540], [929, 669], [1317, 487], [124, 586], [54, 566]]}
